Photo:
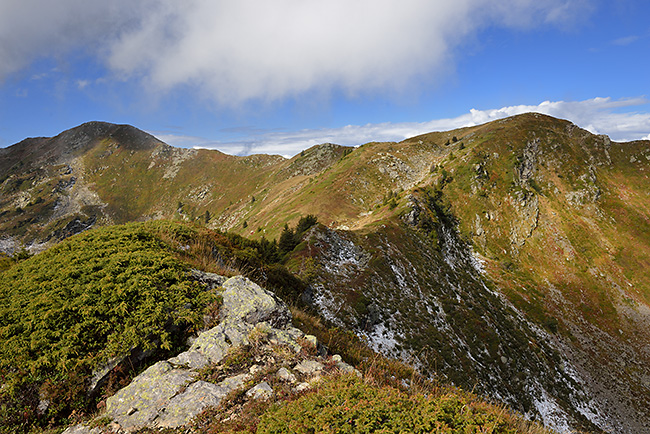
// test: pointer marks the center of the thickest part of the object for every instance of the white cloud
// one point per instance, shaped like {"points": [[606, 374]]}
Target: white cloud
{"points": [[247, 50], [597, 115], [30, 29], [258, 50]]}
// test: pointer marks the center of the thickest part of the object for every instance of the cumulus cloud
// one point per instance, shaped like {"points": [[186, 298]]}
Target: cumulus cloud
{"points": [[597, 115], [234, 52], [259, 50]]}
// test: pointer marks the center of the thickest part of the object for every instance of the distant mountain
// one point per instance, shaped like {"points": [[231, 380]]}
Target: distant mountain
{"points": [[99, 174], [511, 258]]}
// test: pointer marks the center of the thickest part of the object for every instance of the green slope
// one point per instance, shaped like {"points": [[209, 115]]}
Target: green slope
{"points": [[555, 316], [127, 290]]}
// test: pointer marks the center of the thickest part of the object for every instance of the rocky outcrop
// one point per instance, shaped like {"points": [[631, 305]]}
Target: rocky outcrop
{"points": [[315, 160], [528, 161], [172, 392], [526, 206]]}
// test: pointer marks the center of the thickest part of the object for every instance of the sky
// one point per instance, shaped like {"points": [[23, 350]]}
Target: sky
{"points": [[279, 76]]}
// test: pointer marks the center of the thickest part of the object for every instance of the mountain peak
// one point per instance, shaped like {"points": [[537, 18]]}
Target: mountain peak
{"points": [[36, 151], [125, 135]]}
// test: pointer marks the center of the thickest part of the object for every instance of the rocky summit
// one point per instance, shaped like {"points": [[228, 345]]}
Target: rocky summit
{"points": [[171, 392]]}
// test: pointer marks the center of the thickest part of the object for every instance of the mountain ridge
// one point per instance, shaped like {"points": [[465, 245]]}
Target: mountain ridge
{"points": [[532, 216]]}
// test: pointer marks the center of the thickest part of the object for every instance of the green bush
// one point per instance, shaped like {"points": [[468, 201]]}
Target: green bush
{"points": [[5, 262], [288, 240], [69, 309], [349, 405], [305, 223]]}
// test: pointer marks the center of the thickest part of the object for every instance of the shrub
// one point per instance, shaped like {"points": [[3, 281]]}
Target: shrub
{"points": [[348, 405], [287, 241], [5, 262], [305, 223], [92, 297]]}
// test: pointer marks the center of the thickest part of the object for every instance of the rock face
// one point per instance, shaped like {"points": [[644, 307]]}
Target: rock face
{"points": [[148, 396], [170, 393], [244, 305], [245, 302]]}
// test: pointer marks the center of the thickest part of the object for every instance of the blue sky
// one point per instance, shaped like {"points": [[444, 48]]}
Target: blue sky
{"points": [[279, 76]]}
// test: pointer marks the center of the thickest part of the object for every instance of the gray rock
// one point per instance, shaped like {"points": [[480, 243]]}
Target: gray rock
{"points": [[294, 332], [214, 344], [81, 429], [211, 280], [309, 367], [286, 375], [237, 332], [311, 339], [191, 359], [281, 337], [348, 369], [302, 387], [184, 406], [232, 383], [260, 391], [245, 300], [43, 405], [100, 375], [138, 404]]}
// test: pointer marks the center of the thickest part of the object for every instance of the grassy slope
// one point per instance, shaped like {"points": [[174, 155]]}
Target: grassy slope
{"points": [[564, 242], [560, 225], [579, 222], [42, 180], [67, 310]]}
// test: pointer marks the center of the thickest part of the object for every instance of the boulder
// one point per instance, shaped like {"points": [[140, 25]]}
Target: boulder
{"points": [[286, 375], [246, 301], [139, 404], [184, 406], [309, 367], [344, 367]]}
